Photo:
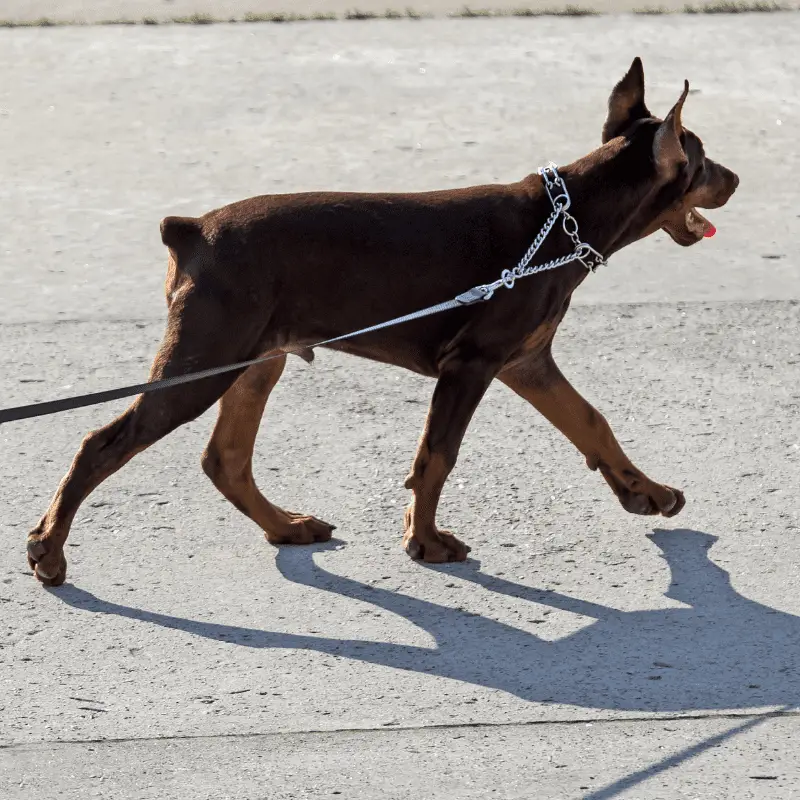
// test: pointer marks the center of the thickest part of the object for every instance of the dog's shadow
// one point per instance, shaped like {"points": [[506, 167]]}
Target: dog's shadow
{"points": [[719, 651]]}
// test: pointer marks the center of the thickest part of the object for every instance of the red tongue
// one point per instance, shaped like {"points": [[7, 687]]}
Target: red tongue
{"points": [[710, 231]]}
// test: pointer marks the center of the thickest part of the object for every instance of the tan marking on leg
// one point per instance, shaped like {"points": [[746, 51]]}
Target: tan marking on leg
{"points": [[543, 386], [457, 394], [228, 458]]}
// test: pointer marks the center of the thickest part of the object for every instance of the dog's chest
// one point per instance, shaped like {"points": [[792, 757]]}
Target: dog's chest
{"points": [[534, 342], [540, 337]]}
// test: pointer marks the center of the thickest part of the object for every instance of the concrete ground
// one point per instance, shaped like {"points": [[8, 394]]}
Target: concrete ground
{"points": [[581, 652]]}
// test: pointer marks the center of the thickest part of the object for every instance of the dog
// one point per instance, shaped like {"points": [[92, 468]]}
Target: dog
{"points": [[274, 274]]}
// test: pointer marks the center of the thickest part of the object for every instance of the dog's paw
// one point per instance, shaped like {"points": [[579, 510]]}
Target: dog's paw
{"points": [[677, 506], [301, 529], [48, 563], [665, 501], [439, 548]]}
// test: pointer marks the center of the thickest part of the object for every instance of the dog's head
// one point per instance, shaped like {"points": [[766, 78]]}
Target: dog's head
{"points": [[682, 177]]}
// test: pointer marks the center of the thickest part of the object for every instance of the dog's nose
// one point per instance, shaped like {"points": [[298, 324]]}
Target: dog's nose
{"points": [[735, 181]]}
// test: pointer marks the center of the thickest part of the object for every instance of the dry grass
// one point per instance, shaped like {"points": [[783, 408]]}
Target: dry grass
{"points": [[42, 22], [280, 17], [466, 12], [568, 11], [194, 19], [733, 7]]}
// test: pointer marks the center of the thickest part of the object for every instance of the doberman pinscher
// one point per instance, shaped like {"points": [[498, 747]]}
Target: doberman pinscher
{"points": [[277, 273]]}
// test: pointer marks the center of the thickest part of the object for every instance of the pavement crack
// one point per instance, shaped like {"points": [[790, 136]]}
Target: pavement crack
{"points": [[383, 729]]}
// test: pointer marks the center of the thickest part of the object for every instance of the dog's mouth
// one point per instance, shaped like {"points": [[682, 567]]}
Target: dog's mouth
{"points": [[689, 228]]}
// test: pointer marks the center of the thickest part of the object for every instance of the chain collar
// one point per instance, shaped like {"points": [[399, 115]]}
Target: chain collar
{"points": [[583, 252], [559, 197]]}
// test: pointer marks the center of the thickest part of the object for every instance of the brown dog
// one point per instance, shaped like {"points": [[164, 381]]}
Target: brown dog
{"points": [[280, 272]]}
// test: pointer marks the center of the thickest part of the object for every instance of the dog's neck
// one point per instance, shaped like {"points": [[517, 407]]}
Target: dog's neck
{"points": [[609, 189]]}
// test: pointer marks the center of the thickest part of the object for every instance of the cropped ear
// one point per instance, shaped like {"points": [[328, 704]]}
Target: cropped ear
{"points": [[668, 152], [626, 103]]}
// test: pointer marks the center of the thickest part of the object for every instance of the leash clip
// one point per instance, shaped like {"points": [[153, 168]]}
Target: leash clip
{"points": [[475, 295]]}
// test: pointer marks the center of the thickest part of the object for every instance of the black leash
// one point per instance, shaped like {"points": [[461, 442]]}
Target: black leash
{"points": [[471, 297]]}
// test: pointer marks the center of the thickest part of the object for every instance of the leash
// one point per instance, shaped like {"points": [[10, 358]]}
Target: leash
{"points": [[560, 199]]}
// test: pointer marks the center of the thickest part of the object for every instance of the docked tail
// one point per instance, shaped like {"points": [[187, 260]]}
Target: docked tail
{"points": [[181, 234]]}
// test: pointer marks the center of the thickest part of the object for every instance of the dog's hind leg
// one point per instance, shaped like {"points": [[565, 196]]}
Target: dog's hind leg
{"points": [[198, 336], [458, 392], [228, 459]]}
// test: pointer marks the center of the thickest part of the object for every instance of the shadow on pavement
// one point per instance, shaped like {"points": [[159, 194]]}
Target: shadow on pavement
{"points": [[720, 651]]}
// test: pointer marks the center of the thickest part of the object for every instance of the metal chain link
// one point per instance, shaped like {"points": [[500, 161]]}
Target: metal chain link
{"points": [[583, 252]]}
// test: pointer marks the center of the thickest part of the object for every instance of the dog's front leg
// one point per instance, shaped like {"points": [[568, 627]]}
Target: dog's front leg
{"points": [[542, 384], [458, 392]]}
